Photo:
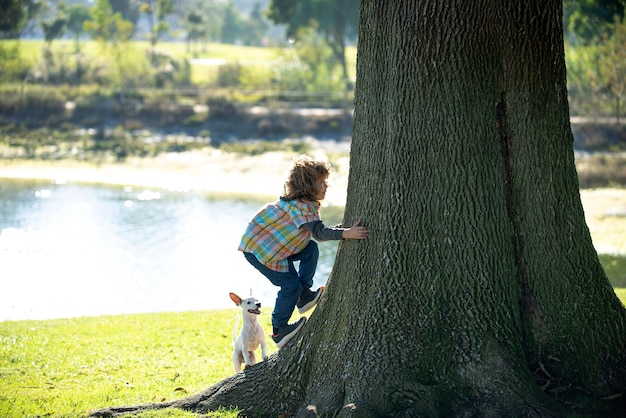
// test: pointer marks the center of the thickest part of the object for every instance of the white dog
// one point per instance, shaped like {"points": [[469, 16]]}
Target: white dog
{"points": [[251, 335]]}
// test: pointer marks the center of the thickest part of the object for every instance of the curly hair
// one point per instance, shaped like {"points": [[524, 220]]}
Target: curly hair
{"points": [[303, 176]]}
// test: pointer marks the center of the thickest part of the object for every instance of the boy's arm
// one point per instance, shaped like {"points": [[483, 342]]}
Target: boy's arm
{"points": [[323, 233]]}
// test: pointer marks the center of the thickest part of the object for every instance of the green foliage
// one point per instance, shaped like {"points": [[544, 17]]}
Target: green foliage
{"points": [[331, 17], [612, 62], [290, 72], [48, 102], [157, 11], [334, 20], [318, 56], [15, 16], [253, 77], [203, 22], [615, 269], [128, 10], [596, 73], [229, 75], [232, 24], [136, 64], [12, 66], [166, 70], [55, 27], [57, 66], [255, 28], [587, 21], [107, 26], [262, 147], [77, 15], [12, 16]]}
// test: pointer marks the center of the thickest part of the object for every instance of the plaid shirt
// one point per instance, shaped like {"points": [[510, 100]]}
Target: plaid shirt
{"points": [[274, 232]]}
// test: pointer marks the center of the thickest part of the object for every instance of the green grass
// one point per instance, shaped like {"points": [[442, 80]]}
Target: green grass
{"points": [[67, 367], [30, 50], [615, 269]]}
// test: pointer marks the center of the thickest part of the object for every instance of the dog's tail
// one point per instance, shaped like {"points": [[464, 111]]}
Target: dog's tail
{"points": [[236, 328]]}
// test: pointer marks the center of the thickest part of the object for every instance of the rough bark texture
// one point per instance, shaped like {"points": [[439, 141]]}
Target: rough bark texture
{"points": [[479, 292]]}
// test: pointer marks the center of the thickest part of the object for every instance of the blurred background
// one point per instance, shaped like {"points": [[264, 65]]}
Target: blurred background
{"points": [[137, 137]]}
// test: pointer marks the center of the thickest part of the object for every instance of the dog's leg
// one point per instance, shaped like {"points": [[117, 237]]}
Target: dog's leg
{"points": [[252, 358], [246, 356], [237, 361], [264, 349]]}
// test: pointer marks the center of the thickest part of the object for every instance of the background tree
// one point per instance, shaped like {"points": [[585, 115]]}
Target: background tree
{"points": [[479, 291], [112, 31], [129, 11], [335, 20], [12, 17], [77, 15], [107, 26], [54, 27], [16, 16], [612, 63], [201, 21], [587, 24], [156, 12], [256, 29], [586, 21], [232, 24]]}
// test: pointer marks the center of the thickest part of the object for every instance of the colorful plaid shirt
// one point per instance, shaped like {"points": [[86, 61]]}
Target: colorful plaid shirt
{"points": [[274, 232]]}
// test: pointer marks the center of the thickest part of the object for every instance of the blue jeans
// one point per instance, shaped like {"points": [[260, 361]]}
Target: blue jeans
{"points": [[291, 283]]}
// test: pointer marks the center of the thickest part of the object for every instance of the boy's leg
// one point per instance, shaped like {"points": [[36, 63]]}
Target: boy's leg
{"points": [[308, 264], [287, 295]]}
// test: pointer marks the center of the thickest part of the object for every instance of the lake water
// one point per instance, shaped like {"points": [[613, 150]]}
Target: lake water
{"points": [[69, 250]]}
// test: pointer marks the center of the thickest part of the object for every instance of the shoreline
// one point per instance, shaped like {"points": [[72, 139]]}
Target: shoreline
{"points": [[262, 177], [215, 172]]}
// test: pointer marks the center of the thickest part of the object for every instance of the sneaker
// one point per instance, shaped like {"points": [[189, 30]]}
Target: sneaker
{"points": [[286, 332], [308, 299]]}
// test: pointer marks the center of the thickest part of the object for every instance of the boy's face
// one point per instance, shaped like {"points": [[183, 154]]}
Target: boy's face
{"points": [[320, 189]]}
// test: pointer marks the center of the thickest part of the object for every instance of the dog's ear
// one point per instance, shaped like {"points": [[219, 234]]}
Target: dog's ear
{"points": [[235, 298]]}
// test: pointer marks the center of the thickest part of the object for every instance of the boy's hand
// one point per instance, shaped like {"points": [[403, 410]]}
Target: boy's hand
{"points": [[356, 231]]}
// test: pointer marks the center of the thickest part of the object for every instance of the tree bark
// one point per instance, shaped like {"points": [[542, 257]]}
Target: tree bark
{"points": [[479, 292]]}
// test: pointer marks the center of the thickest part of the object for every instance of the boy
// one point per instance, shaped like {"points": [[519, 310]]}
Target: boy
{"points": [[281, 233]]}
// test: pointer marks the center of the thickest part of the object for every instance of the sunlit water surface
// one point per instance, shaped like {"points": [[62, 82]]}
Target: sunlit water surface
{"points": [[70, 250]]}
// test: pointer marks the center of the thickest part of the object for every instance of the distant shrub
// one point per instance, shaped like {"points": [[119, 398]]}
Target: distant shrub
{"points": [[261, 147], [255, 77], [49, 103], [601, 170], [229, 75], [133, 124], [290, 73], [167, 71], [270, 127], [221, 108], [12, 66], [195, 119]]}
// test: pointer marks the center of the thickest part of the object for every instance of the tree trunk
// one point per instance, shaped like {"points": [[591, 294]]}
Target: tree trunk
{"points": [[479, 292]]}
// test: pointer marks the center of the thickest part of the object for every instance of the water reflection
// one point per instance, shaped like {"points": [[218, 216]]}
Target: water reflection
{"points": [[72, 250]]}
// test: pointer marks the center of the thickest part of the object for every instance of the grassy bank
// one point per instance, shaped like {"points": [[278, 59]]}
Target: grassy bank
{"points": [[204, 62], [67, 367]]}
